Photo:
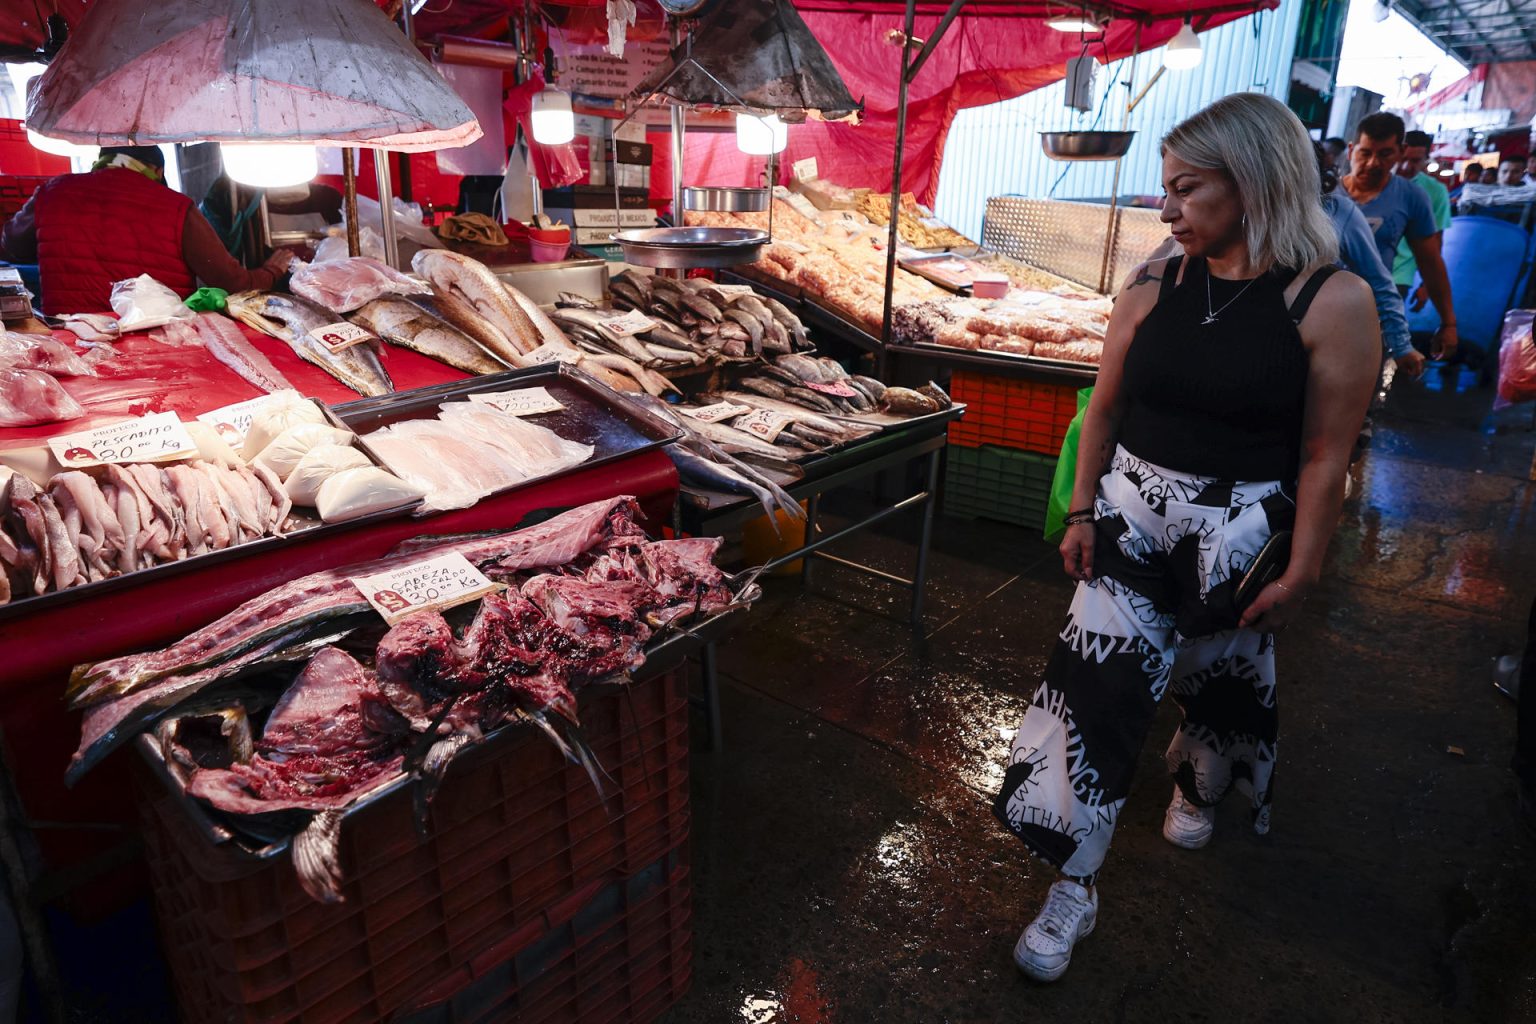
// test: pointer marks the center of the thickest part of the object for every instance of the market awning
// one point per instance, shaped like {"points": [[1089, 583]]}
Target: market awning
{"points": [[1477, 31]]}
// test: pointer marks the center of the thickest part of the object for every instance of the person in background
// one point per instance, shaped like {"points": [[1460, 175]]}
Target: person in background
{"points": [[156, 231], [1416, 146], [1335, 148], [1511, 173], [1357, 252], [1396, 210], [1490, 176], [1233, 384], [1530, 169], [1471, 174]]}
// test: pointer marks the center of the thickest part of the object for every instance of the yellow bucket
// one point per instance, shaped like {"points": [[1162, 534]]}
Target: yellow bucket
{"points": [[759, 544]]}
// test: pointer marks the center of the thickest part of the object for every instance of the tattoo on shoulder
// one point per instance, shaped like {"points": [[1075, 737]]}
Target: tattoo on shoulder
{"points": [[1144, 275]]}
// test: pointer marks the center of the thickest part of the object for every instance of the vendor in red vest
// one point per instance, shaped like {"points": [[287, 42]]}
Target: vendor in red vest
{"points": [[86, 231]]}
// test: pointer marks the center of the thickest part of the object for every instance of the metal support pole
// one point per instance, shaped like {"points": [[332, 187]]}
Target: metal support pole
{"points": [[386, 207], [679, 129], [1112, 231], [925, 539], [349, 194], [894, 236]]}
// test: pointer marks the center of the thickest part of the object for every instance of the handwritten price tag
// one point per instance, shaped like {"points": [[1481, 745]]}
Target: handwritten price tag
{"points": [[633, 322], [836, 388], [338, 336], [715, 413], [159, 437], [523, 402], [731, 291], [552, 354], [233, 422], [764, 423], [436, 583], [805, 170]]}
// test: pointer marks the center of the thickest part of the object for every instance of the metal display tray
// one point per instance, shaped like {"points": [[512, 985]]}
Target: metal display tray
{"points": [[1001, 360], [220, 829], [594, 414], [307, 527], [927, 267]]}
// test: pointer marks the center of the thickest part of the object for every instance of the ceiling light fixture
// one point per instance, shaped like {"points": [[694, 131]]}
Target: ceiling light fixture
{"points": [[1183, 50]]}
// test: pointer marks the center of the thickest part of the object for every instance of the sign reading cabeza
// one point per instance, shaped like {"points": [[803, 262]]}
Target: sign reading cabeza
{"points": [[433, 583]]}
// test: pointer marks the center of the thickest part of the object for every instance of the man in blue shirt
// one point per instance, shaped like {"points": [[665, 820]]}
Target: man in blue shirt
{"points": [[1396, 209]]}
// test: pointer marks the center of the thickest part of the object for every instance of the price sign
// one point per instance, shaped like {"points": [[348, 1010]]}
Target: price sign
{"points": [[731, 291], [435, 583], [763, 423], [340, 335], [633, 322], [804, 170], [233, 422], [523, 402], [715, 413], [837, 388], [159, 437], [552, 354]]}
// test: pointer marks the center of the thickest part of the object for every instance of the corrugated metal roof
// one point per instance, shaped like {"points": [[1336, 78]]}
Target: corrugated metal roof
{"points": [[995, 150]]}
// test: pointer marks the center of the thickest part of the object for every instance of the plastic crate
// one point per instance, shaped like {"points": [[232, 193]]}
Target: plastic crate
{"points": [[624, 956], [1022, 414], [514, 834], [998, 483]]}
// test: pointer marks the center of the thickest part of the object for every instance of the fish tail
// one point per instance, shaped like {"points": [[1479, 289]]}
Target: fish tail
{"points": [[317, 857]]}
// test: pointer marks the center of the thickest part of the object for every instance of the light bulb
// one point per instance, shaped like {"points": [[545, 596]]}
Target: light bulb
{"points": [[1072, 23], [761, 135], [1183, 50], [1433, 167], [553, 122], [269, 165], [58, 147]]}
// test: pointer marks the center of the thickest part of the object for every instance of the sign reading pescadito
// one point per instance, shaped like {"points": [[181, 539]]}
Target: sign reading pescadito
{"points": [[158, 437], [434, 583]]}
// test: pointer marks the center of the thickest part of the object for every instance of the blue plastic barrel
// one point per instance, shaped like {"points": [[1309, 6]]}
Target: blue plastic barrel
{"points": [[1488, 260]]}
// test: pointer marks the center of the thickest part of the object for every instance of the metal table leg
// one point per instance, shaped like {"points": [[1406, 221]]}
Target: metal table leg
{"points": [[711, 697], [925, 538], [812, 504]]}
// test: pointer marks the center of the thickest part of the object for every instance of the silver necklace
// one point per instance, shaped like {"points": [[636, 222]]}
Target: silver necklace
{"points": [[1212, 315]]}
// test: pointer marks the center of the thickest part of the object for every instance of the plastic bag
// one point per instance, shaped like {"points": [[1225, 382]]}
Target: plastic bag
{"points": [[318, 465], [334, 245], [142, 302], [208, 300], [285, 409], [1517, 360], [344, 285], [357, 492], [408, 225], [1066, 473]]}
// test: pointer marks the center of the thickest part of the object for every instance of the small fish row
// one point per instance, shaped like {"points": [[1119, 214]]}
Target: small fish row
{"points": [[716, 323], [85, 527], [824, 386]]}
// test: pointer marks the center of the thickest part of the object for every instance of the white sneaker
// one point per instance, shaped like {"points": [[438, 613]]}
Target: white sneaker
{"points": [[1187, 825], [1069, 914]]}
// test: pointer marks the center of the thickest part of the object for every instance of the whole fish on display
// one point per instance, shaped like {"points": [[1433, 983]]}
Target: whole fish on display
{"points": [[404, 323], [294, 320], [474, 300]]}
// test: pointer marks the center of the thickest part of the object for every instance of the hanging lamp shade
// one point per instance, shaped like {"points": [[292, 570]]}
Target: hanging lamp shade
{"points": [[318, 71]]}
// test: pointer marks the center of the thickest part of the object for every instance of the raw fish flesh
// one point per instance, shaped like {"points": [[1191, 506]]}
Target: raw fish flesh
{"points": [[226, 344], [344, 285], [28, 397], [40, 352]]}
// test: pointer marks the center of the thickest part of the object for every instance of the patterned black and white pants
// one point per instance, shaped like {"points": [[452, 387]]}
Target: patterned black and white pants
{"points": [[1158, 617]]}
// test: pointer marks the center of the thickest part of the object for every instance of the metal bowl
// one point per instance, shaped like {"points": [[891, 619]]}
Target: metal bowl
{"points": [[685, 248], [1086, 145], [725, 200]]}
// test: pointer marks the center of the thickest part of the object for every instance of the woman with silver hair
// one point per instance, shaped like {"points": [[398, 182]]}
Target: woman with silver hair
{"points": [[1233, 384]]}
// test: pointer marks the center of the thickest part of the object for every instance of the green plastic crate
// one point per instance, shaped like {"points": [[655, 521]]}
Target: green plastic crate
{"points": [[1004, 484]]}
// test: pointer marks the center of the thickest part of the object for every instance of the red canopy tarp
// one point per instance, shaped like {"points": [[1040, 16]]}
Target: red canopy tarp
{"points": [[991, 52]]}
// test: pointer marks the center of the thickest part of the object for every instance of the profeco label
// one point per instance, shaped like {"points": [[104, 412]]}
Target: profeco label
{"points": [[715, 413], [552, 354], [764, 423], [522, 402], [435, 583], [836, 388], [159, 437], [340, 335], [233, 422], [631, 323]]}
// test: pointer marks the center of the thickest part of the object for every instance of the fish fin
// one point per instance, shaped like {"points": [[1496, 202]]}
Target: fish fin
{"points": [[317, 857]]}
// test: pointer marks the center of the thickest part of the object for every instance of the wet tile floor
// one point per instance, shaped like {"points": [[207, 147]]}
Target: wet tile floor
{"points": [[847, 867]]}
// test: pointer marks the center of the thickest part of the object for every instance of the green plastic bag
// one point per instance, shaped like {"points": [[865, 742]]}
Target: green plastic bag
{"points": [[208, 300], [1066, 473]]}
